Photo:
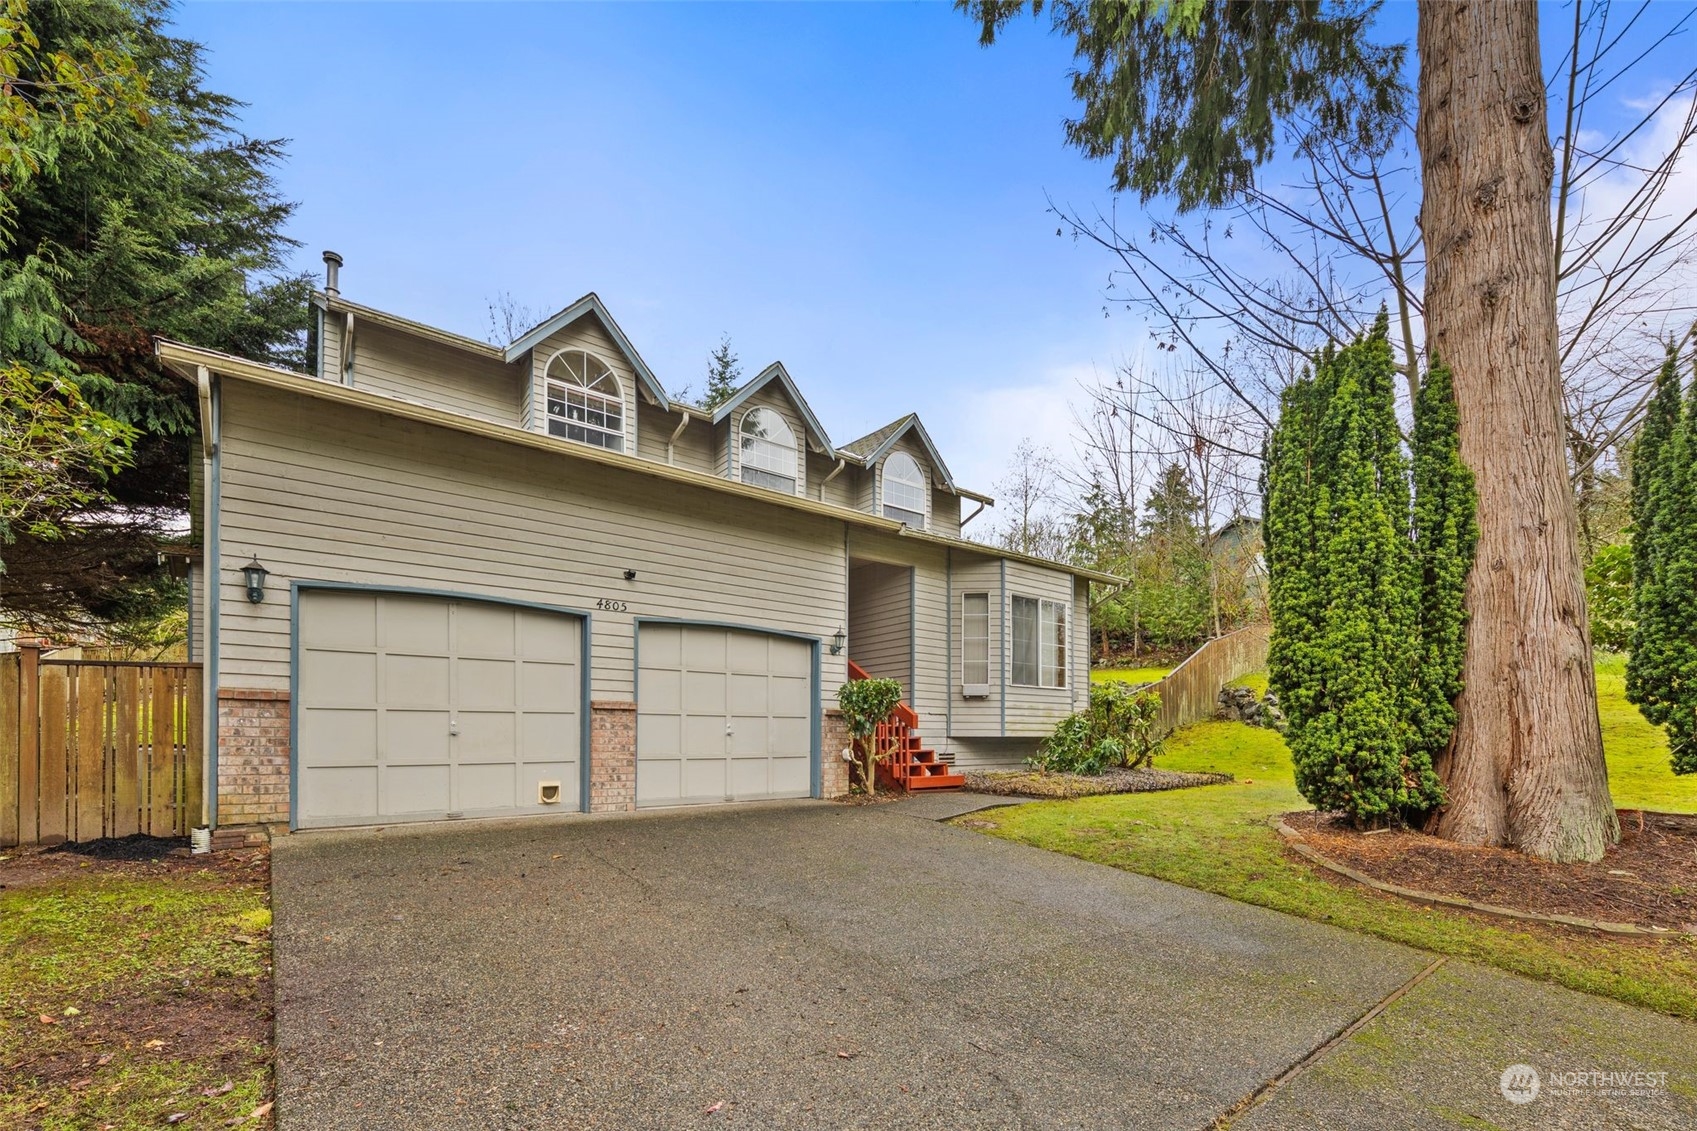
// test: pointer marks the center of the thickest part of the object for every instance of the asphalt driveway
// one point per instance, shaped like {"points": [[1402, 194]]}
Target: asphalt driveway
{"points": [[815, 965]]}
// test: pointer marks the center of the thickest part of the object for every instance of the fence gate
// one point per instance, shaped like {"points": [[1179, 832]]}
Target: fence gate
{"points": [[92, 749]]}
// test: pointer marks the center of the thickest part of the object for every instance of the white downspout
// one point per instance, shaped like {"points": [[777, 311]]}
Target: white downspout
{"points": [[835, 471], [973, 515], [682, 424], [348, 350]]}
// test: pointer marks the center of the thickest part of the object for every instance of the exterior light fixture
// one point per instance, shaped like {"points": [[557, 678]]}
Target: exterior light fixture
{"points": [[838, 641], [254, 574], [630, 575]]}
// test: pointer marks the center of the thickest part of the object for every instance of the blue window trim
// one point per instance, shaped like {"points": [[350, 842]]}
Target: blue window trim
{"points": [[297, 587], [816, 786]]}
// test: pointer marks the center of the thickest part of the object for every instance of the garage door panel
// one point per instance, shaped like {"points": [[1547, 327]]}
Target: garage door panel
{"points": [[749, 737], [748, 654], [705, 778], [750, 777], [704, 651], [659, 736], [789, 736], [702, 735], [704, 693], [487, 736], [548, 685], [661, 646], [346, 792], [418, 625], [543, 636], [348, 621], [485, 787], [484, 630], [484, 684], [659, 781], [416, 789], [791, 776], [377, 710], [662, 691], [416, 738], [415, 681], [339, 737], [748, 695], [338, 679], [790, 696]]}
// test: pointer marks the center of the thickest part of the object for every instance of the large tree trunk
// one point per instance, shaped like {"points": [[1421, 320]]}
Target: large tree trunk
{"points": [[1525, 767]]}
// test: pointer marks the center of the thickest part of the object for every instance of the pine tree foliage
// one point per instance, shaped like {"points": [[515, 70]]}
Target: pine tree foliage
{"points": [[1661, 672], [724, 374], [1187, 96], [161, 220], [1365, 582]]}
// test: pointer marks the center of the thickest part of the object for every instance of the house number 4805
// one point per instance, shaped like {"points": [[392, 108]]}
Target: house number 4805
{"points": [[612, 606]]}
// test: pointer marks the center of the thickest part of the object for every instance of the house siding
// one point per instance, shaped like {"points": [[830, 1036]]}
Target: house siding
{"points": [[694, 448], [880, 627], [395, 364], [324, 492]]}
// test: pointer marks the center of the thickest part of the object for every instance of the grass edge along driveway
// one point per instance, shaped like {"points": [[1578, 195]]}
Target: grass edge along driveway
{"points": [[1221, 839]]}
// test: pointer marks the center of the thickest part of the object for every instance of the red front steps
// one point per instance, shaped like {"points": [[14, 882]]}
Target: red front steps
{"points": [[909, 765]]}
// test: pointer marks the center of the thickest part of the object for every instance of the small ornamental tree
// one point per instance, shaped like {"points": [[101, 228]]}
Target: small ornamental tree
{"points": [[866, 703], [1365, 582], [724, 372], [1661, 673]]}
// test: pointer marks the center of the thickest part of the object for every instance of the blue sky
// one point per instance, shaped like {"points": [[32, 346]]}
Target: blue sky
{"points": [[856, 189]]}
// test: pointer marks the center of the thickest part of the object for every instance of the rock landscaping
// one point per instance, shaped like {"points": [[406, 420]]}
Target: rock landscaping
{"points": [[1036, 783], [1240, 704]]}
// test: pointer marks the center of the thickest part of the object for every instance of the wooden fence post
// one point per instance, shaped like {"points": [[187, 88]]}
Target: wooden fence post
{"points": [[10, 747]]}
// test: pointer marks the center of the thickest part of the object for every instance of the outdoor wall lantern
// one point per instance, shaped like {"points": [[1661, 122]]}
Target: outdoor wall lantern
{"points": [[254, 575], [838, 641]]}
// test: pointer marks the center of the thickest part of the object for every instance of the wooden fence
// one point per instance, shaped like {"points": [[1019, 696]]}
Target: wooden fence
{"points": [[1191, 691], [92, 749]]}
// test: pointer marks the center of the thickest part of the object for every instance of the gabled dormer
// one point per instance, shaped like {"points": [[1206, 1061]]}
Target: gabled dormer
{"points": [[764, 432], [585, 378], [905, 478]]}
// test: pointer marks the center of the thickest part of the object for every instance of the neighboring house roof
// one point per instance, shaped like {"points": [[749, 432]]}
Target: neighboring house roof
{"points": [[187, 361], [777, 372], [869, 449], [590, 304]]}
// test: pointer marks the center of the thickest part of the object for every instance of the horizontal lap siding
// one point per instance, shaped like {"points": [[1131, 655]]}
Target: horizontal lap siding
{"points": [[945, 513], [1034, 711], [843, 491], [977, 717], [880, 631], [332, 493], [694, 448], [399, 365]]}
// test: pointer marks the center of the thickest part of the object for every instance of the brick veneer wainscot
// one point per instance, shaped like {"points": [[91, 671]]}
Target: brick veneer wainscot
{"points": [[833, 738], [253, 756], [612, 756]]}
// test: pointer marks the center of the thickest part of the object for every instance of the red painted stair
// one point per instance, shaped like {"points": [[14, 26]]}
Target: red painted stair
{"points": [[909, 765]]}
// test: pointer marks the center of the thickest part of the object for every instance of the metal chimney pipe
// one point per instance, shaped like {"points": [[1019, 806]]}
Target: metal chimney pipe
{"points": [[332, 273]]}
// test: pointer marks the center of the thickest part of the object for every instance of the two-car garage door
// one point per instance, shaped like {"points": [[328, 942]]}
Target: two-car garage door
{"points": [[414, 707]]}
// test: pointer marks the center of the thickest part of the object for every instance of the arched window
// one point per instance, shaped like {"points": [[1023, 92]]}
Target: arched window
{"points": [[584, 401], [904, 490], [768, 451]]}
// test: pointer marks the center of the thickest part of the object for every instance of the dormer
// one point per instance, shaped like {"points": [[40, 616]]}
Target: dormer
{"points": [[764, 431], [585, 378], [906, 478]]}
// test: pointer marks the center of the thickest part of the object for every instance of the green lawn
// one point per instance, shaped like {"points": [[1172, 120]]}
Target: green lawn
{"points": [[131, 994], [1639, 776], [1220, 839], [1128, 675]]}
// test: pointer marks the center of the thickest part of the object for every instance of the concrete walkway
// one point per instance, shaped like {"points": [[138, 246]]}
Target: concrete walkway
{"points": [[810, 965]]}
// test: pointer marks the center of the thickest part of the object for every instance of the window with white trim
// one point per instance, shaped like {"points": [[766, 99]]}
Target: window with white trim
{"points": [[585, 402], [975, 643], [904, 490], [1039, 642], [768, 450]]}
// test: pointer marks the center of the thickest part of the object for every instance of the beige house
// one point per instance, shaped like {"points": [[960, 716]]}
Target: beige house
{"points": [[524, 579]]}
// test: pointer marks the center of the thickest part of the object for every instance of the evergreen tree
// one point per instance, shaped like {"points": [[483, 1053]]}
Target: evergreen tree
{"points": [[1347, 605], [724, 374], [1661, 672], [162, 221]]}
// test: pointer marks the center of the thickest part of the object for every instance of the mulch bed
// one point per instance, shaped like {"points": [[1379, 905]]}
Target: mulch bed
{"points": [[134, 855], [1034, 783], [1648, 880]]}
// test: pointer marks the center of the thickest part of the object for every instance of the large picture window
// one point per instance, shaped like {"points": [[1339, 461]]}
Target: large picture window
{"points": [[975, 643], [1039, 642], [904, 490], [768, 451], [585, 402]]}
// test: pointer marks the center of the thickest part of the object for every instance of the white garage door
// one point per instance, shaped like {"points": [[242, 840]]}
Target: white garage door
{"points": [[722, 715], [412, 708]]}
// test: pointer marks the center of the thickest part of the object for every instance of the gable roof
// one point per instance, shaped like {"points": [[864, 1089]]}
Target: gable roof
{"points": [[873, 447], [589, 304], [777, 372], [188, 361]]}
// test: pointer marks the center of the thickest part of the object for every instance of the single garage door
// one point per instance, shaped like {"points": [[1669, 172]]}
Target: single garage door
{"points": [[722, 715], [412, 708]]}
